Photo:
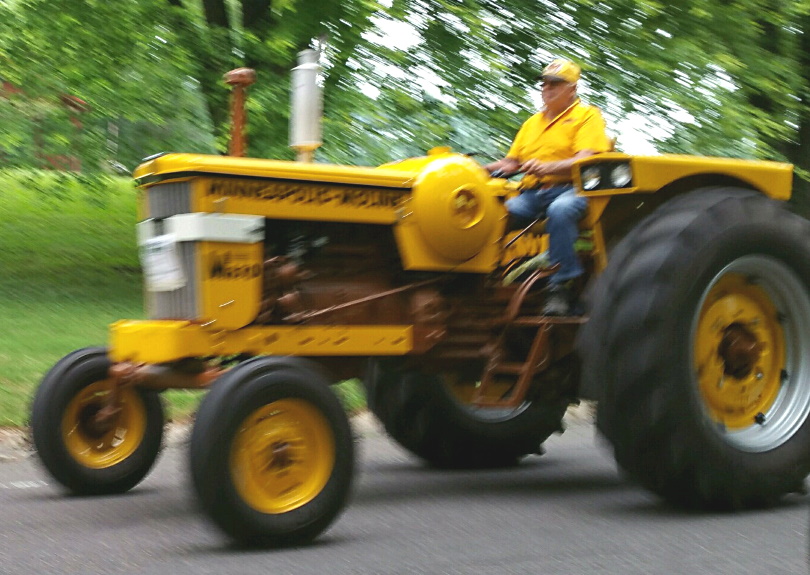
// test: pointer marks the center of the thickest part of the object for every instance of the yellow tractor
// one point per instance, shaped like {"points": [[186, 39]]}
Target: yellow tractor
{"points": [[270, 280]]}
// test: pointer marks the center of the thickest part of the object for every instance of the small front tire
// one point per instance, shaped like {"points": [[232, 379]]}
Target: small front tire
{"points": [[80, 455], [272, 454]]}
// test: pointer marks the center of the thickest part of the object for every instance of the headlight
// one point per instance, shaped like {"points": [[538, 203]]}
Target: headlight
{"points": [[591, 176], [620, 176]]}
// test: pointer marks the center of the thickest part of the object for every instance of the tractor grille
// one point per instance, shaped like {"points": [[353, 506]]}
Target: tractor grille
{"points": [[180, 303], [168, 200]]}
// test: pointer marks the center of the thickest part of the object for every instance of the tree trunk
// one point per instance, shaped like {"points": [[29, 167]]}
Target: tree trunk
{"points": [[211, 55]]}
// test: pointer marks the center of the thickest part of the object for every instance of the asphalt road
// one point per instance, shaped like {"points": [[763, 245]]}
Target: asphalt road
{"points": [[567, 512]]}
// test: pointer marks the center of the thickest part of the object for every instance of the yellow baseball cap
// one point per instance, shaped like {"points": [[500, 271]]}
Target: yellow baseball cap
{"points": [[561, 70]]}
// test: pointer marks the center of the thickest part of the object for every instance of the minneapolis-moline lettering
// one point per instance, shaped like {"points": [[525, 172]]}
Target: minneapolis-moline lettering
{"points": [[313, 194]]}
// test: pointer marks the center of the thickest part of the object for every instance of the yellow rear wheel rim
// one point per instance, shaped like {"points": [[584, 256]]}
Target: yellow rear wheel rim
{"points": [[734, 302], [463, 389], [282, 456], [101, 447]]}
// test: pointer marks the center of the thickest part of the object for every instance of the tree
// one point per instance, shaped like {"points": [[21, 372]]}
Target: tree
{"points": [[731, 75], [117, 57], [725, 78], [267, 35], [718, 77]]}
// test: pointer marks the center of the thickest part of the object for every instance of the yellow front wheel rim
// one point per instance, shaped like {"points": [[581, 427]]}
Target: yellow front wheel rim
{"points": [[735, 390], [282, 456], [99, 447]]}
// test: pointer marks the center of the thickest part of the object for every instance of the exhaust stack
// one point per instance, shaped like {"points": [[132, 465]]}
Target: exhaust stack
{"points": [[240, 79], [306, 101]]}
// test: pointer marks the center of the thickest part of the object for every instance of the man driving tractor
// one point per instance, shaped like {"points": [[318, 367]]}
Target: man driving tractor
{"points": [[545, 149]]}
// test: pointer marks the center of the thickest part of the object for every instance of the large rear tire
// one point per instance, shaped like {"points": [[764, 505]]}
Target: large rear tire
{"points": [[272, 454], [87, 458], [429, 414], [699, 345]]}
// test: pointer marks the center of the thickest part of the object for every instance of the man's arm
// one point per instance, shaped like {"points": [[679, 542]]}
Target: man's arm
{"points": [[556, 168]]}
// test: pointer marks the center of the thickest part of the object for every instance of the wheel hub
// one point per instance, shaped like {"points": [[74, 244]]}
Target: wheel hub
{"points": [[94, 422], [282, 455], [740, 351], [99, 435]]}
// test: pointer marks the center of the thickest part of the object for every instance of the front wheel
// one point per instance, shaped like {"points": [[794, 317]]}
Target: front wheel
{"points": [[85, 456], [700, 346], [272, 453]]}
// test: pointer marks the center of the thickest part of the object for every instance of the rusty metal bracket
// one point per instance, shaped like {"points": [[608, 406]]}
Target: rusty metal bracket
{"points": [[160, 377], [303, 316]]}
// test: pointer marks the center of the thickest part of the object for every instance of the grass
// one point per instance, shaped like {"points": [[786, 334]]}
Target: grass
{"points": [[70, 268]]}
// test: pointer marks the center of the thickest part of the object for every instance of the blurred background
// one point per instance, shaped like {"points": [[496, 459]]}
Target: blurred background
{"points": [[99, 85], [89, 87]]}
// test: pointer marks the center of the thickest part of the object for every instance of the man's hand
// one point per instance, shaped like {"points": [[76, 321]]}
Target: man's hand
{"points": [[558, 168], [505, 166], [538, 168]]}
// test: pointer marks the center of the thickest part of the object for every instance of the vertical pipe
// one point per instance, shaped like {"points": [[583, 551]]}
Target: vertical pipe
{"points": [[306, 106], [240, 79]]}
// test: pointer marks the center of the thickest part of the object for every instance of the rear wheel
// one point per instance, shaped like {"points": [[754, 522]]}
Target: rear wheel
{"points": [[272, 452], [84, 454], [430, 415], [700, 345]]}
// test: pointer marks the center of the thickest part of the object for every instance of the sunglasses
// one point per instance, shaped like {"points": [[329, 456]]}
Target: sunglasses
{"points": [[552, 83]]}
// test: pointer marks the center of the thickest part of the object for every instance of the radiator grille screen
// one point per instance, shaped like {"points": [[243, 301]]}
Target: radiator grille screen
{"points": [[168, 200]]}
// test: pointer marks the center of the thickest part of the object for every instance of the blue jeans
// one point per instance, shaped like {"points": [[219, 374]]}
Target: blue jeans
{"points": [[564, 209]]}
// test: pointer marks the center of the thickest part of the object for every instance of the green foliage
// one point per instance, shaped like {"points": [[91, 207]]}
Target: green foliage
{"points": [[119, 59], [70, 268], [725, 78], [181, 404], [722, 78], [351, 395]]}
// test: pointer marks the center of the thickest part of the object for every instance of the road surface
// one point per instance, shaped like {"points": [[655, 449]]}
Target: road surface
{"points": [[567, 512]]}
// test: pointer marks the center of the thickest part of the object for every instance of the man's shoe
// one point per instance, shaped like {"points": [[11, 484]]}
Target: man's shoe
{"points": [[559, 300]]}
